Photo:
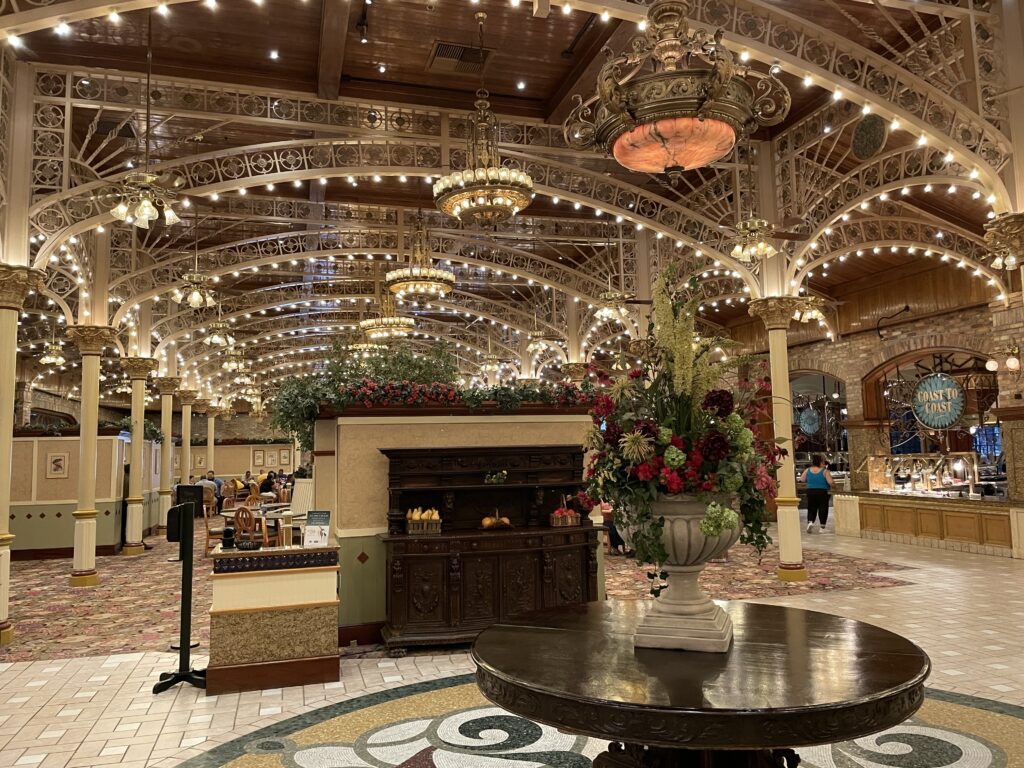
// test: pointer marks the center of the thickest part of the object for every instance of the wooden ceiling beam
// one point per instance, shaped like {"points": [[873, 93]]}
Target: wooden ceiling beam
{"points": [[334, 24], [583, 77]]}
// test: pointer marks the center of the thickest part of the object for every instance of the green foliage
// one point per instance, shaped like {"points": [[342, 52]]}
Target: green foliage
{"points": [[150, 430]]}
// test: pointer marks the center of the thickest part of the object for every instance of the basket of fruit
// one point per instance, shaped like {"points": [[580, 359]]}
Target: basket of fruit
{"points": [[563, 516], [422, 521], [490, 523]]}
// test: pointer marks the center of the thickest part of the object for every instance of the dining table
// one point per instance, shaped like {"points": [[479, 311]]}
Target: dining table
{"points": [[278, 513]]}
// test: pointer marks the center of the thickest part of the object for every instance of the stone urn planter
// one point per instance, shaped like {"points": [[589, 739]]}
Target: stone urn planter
{"points": [[683, 617]]}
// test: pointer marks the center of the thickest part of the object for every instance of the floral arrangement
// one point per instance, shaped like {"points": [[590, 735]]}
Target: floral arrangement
{"points": [[667, 427], [496, 478]]}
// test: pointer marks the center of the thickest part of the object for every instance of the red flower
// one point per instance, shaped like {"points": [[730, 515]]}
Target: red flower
{"points": [[636, 373], [671, 480], [677, 441], [603, 406]]}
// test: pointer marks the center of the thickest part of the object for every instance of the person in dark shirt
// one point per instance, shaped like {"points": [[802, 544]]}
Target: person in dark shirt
{"points": [[269, 484]]}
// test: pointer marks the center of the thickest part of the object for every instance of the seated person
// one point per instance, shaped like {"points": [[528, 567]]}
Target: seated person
{"points": [[269, 483], [218, 488], [206, 482], [247, 478]]}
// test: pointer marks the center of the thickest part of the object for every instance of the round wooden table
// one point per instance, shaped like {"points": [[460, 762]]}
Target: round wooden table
{"points": [[793, 678]]}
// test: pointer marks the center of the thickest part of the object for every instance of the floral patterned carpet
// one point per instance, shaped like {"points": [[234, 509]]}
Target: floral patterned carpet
{"points": [[135, 607], [742, 577]]}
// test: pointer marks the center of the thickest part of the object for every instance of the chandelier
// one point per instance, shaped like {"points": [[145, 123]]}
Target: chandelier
{"points": [[196, 291], [233, 361], [218, 333], [124, 388], [491, 363], [245, 377], [52, 354], [1004, 236], [142, 196], [366, 349], [751, 241], [682, 101], [612, 303], [421, 279], [539, 340], [386, 324], [486, 192]]}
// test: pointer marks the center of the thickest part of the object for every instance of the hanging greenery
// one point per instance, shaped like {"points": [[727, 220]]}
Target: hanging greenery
{"points": [[150, 430]]}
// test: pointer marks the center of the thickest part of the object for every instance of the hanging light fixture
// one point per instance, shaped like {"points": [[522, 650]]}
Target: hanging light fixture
{"points": [[538, 341], [686, 109], [387, 323], [144, 196], [1004, 236], [492, 363], [195, 292], [366, 349], [420, 280], [486, 192], [53, 353], [218, 333], [233, 361], [752, 233]]}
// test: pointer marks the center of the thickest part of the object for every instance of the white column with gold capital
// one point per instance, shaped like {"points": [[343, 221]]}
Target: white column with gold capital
{"points": [[188, 398], [200, 407], [166, 386], [138, 370], [15, 284], [90, 340], [212, 412], [777, 313]]}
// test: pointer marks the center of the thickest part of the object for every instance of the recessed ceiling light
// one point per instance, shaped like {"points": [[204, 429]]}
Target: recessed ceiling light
{"points": [[114, 17], [521, 85], [382, 68], [62, 29], [274, 55]]}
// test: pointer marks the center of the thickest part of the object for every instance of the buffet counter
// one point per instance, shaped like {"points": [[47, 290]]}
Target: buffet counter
{"points": [[274, 618], [965, 524]]}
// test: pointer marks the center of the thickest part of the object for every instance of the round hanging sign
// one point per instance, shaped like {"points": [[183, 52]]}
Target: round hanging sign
{"points": [[938, 401], [809, 421]]}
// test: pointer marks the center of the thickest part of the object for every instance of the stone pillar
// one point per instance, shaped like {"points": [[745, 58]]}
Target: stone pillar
{"points": [[15, 284], [777, 312], [212, 412], [138, 369], [23, 402], [866, 438], [90, 339], [166, 386], [188, 398]]}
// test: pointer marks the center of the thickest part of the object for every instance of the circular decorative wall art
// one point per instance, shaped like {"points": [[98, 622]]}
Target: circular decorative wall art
{"points": [[938, 401], [810, 421], [869, 136]]}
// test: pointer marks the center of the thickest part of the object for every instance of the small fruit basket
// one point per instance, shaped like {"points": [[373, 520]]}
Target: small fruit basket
{"points": [[563, 517], [423, 521]]}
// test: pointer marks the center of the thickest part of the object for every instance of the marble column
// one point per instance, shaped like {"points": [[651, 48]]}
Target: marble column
{"points": [[200, 407], [188, 398], [777, 312], [166, 386], [90, 340], [212, 412], [15, 284], [138, 370]]}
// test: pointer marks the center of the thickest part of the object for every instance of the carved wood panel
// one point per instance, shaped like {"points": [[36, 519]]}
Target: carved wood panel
{"points": [[426, 590], [480, 589], [520, 584]]}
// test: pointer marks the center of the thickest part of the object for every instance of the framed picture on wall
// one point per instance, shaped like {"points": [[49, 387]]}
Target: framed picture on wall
{"points": [[199, 460], [272, 459], [57, 465], [286, 457], [258, 459]]}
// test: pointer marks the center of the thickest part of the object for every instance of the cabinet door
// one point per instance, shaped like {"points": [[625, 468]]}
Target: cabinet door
{"points": [[426, 591], [520, 584], [567, 585], [480, 589]]}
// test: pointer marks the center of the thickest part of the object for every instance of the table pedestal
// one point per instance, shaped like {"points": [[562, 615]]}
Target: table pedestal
{"points": [[637, 756]]}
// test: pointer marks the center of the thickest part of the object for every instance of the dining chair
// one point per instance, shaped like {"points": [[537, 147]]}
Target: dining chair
{"points": [[214, 533]]}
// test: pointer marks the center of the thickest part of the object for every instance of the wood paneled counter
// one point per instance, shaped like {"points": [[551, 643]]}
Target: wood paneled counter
{"points": [[274, 618], [969, 525]]}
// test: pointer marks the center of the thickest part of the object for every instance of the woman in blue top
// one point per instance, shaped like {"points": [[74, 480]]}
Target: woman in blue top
{"points": [[819, 483]]}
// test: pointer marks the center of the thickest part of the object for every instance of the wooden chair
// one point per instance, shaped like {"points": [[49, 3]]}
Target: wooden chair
{"points": [[214, 533], [252, 526], [209, 500]]}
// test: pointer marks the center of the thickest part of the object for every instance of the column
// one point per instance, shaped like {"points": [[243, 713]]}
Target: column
{"points": [[90, 339], [212, 412], [201, 406], [138, 369], [188, 398], [166, 386], [777, 312], [15, 284], [23, 400]]}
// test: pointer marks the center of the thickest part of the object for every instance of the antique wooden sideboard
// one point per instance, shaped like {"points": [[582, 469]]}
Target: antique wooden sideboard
{"points": [[448, 587]]}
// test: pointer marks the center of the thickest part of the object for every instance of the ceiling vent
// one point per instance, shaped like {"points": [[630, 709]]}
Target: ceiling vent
{"points": [[457, 59], [118, 128]]}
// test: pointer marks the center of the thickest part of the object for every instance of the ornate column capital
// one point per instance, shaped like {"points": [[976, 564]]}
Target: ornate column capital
{"points": [[16, 283], [777, 312], [200, 405], [576, 372], [91, 339], [138, 367], [188, 396], [167, 385]]}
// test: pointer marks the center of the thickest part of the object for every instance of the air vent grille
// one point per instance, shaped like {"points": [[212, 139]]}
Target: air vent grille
{"points": [[457, 59]]}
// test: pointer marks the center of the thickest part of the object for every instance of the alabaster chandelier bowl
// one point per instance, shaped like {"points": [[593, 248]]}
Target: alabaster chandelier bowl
{"points": [[677, 98]]}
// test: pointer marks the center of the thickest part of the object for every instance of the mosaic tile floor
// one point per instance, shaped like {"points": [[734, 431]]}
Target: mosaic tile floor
{"points": [[966, 611]]}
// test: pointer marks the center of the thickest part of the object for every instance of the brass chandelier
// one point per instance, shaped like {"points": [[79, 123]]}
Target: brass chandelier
{"points": [[233, 361], [218, 333], [366, 349], [196, 291], [143, 195], [420, 280], [1004, 236], [53, 354], [676, 99], [387, 323], [751, 240], [486, 192]]}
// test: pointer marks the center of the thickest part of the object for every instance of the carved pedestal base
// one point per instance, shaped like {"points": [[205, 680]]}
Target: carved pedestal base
{"points": [[638, 756], [708, 632]]}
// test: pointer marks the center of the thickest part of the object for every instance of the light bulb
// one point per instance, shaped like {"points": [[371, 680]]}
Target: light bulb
{"points": [[992, 365], [1013, 363]]}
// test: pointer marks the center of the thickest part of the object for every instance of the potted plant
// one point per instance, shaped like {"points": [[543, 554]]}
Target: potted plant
{"points": [[676, 457]]}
